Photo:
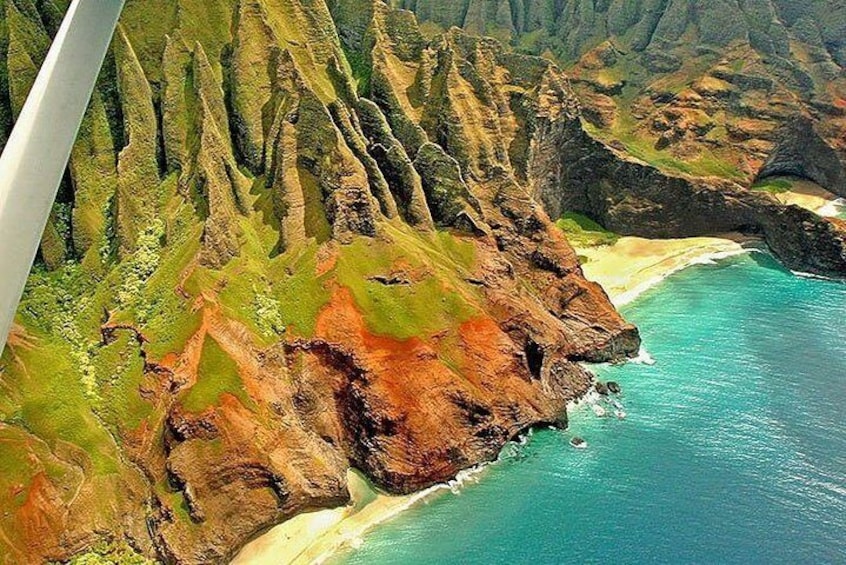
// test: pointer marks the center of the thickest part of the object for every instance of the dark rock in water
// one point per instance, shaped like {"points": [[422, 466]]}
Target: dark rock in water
{"points": [[601, 388], [613, 387], [578, 443]]}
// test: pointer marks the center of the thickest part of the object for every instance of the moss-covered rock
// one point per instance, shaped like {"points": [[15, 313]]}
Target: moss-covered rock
{"points": [[137, 161], [176, 62], [213, 179], [393, 161], [350, 128], [251, 75], [341, 179], [445, 189]]}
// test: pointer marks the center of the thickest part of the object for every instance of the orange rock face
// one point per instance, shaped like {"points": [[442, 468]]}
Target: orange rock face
{"points": [[409, 412], [269, 329]]}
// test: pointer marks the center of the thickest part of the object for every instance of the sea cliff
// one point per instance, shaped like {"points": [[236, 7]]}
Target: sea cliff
{"points": [[301, 236]]}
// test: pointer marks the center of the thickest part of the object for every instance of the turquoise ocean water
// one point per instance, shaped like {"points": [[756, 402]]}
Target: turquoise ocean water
{"points": [[733, 451]]}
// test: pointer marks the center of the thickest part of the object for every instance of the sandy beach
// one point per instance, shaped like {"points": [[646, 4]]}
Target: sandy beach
{"points": [[633, 264], [626, 269], [313, 537], [811, 196]]}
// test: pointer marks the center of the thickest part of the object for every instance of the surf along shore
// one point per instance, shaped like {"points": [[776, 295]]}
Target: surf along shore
{"points": [[626, 268]]}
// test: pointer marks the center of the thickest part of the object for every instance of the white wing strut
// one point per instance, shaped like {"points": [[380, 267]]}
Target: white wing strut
{"points": [[38, 149]]}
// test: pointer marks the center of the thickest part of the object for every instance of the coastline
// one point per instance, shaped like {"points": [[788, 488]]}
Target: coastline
{"points": [[811, 196], [833, 209], [626, 269], [313, 537], [633, 265]]}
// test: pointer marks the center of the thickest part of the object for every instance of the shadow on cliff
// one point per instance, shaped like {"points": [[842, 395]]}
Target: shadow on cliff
{"points": [[576, 172]]}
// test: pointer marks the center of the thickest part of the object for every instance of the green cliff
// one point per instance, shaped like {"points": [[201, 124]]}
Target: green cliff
{"points": [[299, 236]]}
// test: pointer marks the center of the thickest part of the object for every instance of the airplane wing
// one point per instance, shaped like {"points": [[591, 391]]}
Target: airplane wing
{"points": [[35, 157]]}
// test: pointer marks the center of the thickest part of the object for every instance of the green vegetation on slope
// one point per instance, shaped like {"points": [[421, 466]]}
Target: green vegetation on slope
{"points": [[625, 130], [217, 375], [432, 296], [87, 392], [773, 185], [117, 553], [583, 232], [122, 406], [51, 402]]}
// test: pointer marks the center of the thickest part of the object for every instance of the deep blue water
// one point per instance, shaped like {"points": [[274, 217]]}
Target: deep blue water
{"points": [[733, 451]]}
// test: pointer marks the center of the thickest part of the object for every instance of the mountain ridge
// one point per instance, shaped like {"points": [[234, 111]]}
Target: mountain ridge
{"points": [[301, 236], [574, 27], [699, 87]]}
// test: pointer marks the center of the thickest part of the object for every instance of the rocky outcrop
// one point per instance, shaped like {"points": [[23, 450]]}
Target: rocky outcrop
{"points": [[444, 185], [250, 81], [402, 177], [800, 151], [697, 87], [307, 262], [137, 163], [342, 179], [345, 259], [649, 26], [212, 177], [577, 172], [176, 58]]}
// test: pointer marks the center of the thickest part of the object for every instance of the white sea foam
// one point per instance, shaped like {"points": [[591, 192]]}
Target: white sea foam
{"points": [[833, 208], [706, 259], [355, 539], [592, 397], [703, 261], [466, 476], [814, 276], [643, 358]]}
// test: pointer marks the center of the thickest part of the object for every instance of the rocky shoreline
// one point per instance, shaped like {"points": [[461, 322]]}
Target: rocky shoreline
{"points": [[328, 531], [629, 197], [304, 238]]}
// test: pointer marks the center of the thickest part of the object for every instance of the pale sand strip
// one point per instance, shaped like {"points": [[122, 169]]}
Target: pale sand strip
{"points": [[315, 536], [626, 269], [811, 196], [633, 264]]}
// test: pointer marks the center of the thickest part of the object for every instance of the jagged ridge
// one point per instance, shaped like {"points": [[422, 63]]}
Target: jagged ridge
{"points": [[216, 323], [301, 236]]}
